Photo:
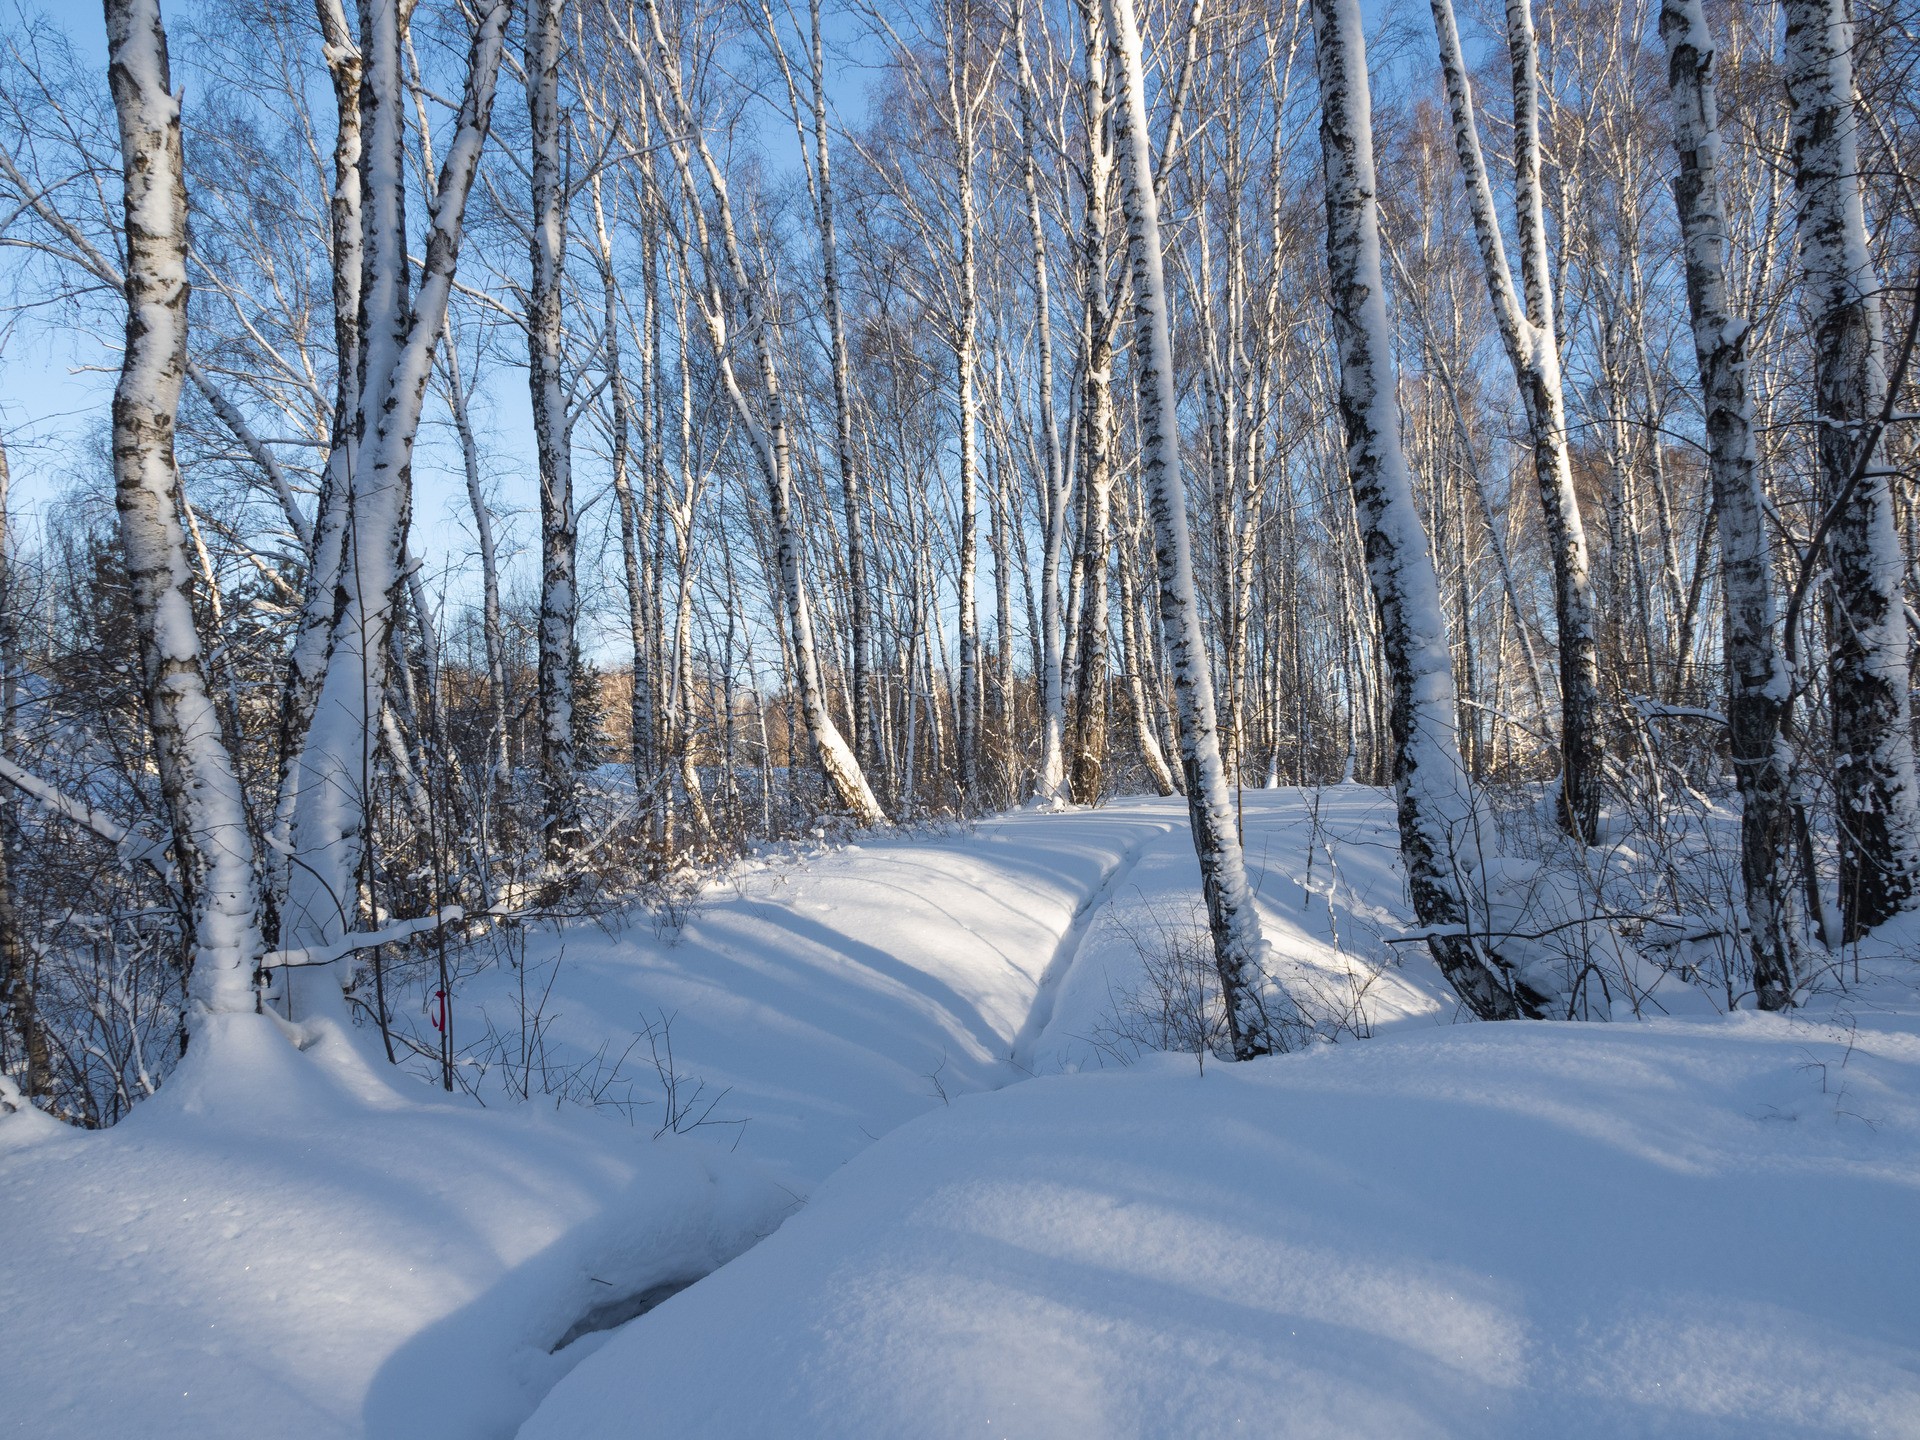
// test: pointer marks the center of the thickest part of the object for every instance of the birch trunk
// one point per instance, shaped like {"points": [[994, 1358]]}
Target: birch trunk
{"points": [[329, 819], [1087, 732], [1875, 798], [967, 740], [860, 600], [559, 605], [212, 841], [1260, 1015], [1527, 330], [1431, 790], [1053, 716], [1758, 683], [307, 662]]}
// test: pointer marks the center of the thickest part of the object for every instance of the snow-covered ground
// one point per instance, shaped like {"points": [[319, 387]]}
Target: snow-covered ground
{"points": [[1701, 1225], [1664, 1229]]}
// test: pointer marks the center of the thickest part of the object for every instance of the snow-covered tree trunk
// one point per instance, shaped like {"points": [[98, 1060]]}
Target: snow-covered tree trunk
{"points": [[396, 358], [313, 632], [212, 841], [1431, 790], [1875, 799], [1260, 1015], [546, 335], [1053, 709], [1757, 680], [1527, 328]]}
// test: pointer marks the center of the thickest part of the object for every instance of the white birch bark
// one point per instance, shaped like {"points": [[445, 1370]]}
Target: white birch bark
{"points": [[1087, 742], [1431, 791], [1053, 710], [1260, 1015], [313, 633], [1527, 329], [1757, 679], [1876, 802], [213, 846], [961, 101], [546, 333], [396, 356]]}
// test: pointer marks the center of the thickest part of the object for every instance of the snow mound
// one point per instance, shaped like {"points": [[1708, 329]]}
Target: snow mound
{"points": [[1669, 1228], [286, 1243]]}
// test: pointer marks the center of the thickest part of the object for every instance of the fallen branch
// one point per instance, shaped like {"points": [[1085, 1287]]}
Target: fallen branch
{"points": [[1696, 929]]}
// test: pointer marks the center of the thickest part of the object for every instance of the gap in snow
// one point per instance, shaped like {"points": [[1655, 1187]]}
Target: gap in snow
{"points": [[614, 1313]]}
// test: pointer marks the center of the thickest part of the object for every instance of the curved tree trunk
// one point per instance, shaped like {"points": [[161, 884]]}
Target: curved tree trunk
{"points": [[772, 445], [860, 600], [331, 771], [1533, 349]]}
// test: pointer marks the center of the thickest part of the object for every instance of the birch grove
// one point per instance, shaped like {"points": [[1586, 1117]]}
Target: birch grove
{"points": [[561, 449]]}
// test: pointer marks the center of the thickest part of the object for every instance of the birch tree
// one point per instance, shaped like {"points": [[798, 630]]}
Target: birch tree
{"points": [[1431, 792], [1087, 731], [559, 530], [1260, 1015], [1757, 679], [1051, 772], [397, 341], [768, 434], [212, 841], [1876, 802], [1528, 332]]}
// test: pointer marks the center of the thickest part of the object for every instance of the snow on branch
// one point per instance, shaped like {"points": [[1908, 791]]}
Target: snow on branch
{"points": [[1649, 709], [347, 945], [140, 849]]}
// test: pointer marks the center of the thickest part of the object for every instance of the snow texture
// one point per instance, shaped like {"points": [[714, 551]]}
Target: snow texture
{"points": [[1499, 1230], [1694, 1228]]}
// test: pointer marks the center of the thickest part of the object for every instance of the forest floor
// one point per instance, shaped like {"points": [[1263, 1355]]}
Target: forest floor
{"points": [[943, 1188]]}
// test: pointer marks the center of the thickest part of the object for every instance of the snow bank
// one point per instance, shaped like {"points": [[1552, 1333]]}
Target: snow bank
{"points": [[287, 1244], [834, 996], [1686, 1228]]}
